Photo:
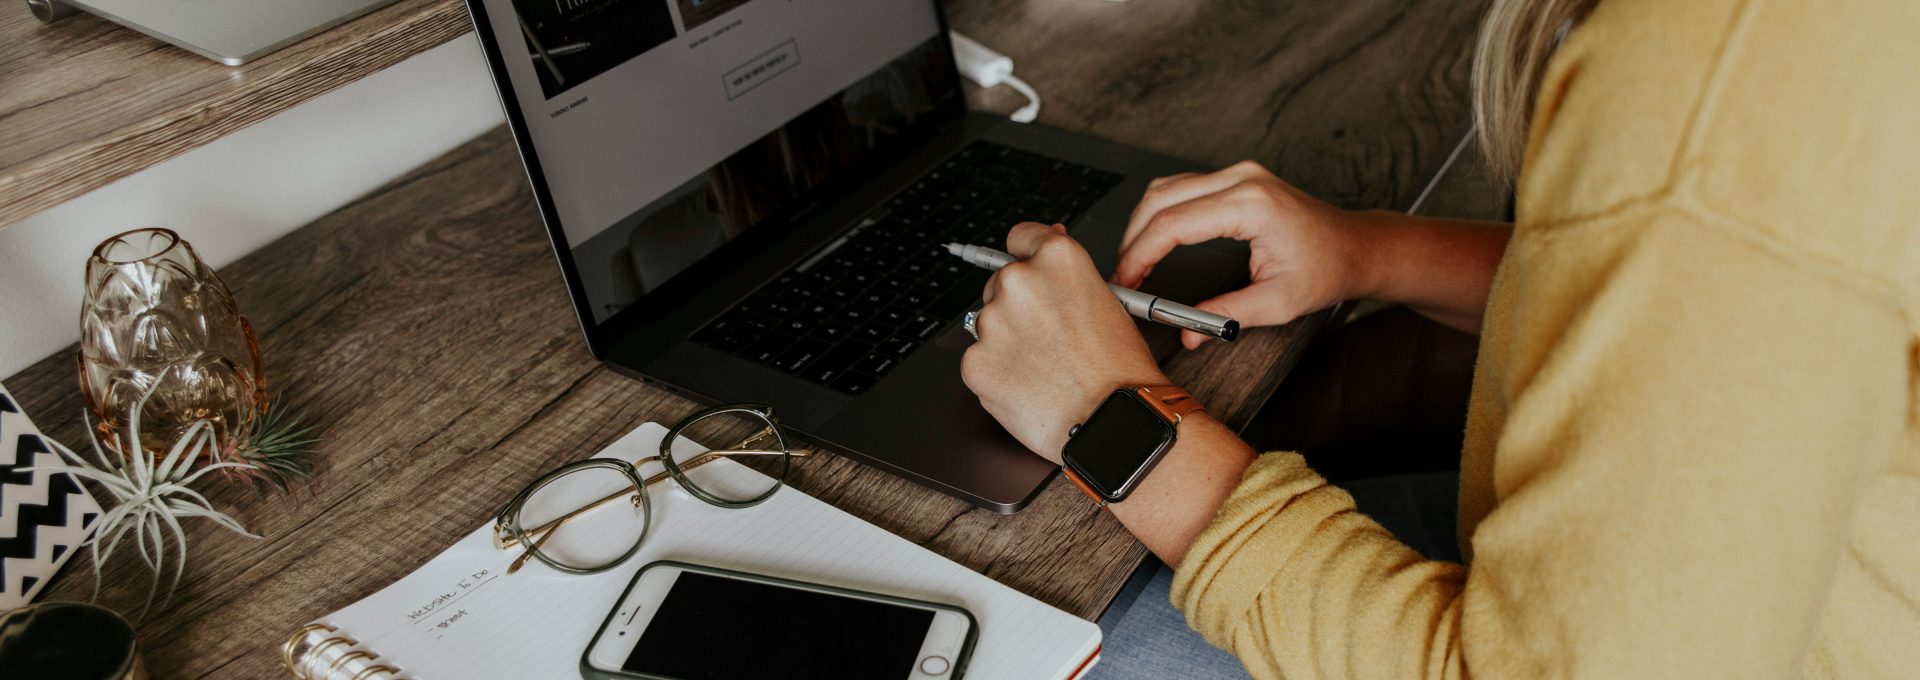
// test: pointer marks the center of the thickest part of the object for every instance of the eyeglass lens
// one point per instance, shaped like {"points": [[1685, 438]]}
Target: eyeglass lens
{"points": [[726, 485], [586, 540]]}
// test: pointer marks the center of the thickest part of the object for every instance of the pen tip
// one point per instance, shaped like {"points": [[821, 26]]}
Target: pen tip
{"points": [[954, 248]]}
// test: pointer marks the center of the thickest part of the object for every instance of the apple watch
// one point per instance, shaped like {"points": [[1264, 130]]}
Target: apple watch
{"points": [[1108, 455]]}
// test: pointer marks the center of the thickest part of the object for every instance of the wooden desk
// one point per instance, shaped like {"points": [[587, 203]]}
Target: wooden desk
{"points": [[426, 326]]}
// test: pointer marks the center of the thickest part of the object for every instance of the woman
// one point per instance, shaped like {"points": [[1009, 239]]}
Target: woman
{"points": [[1692, 448]]}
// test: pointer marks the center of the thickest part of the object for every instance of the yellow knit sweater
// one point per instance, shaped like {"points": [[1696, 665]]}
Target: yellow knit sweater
{"points": [[1693, 449]]}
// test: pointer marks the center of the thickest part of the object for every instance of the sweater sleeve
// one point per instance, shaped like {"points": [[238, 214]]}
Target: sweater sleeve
{"points": [[1690, 415]]}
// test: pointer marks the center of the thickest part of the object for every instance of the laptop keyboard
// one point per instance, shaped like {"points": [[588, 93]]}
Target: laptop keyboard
{"points": [[853, 311]]}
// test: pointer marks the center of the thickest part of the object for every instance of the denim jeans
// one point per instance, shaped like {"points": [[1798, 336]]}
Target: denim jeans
{"points": [[1146, 638]]}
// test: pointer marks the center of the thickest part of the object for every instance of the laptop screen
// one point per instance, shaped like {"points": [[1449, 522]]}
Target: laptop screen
{"points": [[665, 129]]}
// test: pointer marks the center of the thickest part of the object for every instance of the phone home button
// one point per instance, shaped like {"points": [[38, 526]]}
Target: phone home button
{"points": [[934, 665]]}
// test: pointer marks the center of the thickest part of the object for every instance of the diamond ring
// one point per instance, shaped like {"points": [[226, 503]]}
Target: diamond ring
{"points": [[971, 322]]}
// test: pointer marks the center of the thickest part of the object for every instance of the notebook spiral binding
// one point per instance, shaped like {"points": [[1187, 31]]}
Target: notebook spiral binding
{"points": [[318, 643]]}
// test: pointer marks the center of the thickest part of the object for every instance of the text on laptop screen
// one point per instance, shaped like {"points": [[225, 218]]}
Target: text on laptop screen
{"points": [[665, 128]]}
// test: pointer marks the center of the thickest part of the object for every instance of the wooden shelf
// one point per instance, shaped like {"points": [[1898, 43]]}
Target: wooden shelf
{"points": [[85, 101]]}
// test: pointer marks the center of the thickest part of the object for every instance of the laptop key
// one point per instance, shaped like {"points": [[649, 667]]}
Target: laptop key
{"points": [[799, 325], [801, 355], [819, 310], [860, 280], [895, 284], [833, 331], [876, 364], [780, 306], [873, 334], [768, 347], [855, 383], [923, 327], [895, 317], [862, 249], [896, 347], [954, 269], [855, 315], [917, 298], [756, 323], [806, 292]]}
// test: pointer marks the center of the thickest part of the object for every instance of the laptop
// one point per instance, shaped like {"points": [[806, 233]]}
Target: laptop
{"points": [[231, 32], [747, 199]]}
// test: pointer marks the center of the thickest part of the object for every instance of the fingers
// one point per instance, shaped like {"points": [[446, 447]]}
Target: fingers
{"points": [[1197, 221], [1027, 238], [1167, 192]]}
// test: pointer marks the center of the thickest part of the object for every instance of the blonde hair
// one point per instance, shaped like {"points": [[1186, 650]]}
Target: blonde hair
{"points": [[1509, 61]]}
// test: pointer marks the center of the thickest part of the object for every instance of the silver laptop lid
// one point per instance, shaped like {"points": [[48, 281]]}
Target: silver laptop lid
{"points": [[229, 31]]}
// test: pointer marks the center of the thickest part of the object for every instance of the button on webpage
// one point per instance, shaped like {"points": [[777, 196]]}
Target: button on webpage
{"points": [[761, 69]]}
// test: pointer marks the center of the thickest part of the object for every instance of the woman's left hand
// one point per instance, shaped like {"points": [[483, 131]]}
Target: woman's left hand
{"points": [[1054, 342]]}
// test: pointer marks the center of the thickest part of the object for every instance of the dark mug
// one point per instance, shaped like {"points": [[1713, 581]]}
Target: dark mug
{"points": [[68, 641]]}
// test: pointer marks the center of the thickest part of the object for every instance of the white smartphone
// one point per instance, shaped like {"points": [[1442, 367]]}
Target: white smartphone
{"points": [[680, 621]]}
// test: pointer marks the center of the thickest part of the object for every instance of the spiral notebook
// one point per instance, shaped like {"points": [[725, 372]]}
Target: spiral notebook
{"points": [[461, 616]]}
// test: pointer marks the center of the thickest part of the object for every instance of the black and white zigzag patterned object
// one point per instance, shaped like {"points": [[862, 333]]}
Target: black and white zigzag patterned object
{"points": [[43, 516]]}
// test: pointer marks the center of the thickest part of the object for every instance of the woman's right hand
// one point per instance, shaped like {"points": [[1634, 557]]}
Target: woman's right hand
{"points": [[1305, 252]]}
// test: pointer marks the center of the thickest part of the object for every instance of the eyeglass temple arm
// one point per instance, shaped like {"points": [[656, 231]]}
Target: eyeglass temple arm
{"points": [[504, 540]]}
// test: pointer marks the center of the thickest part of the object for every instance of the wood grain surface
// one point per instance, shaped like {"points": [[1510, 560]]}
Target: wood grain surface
{"points": [[426, 328], [85, 101]]}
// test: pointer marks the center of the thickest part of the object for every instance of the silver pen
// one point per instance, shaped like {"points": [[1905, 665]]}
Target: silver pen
{"points": [[1140, 305]]}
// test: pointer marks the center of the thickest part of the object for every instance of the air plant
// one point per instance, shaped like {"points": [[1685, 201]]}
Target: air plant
{"points": [[277, 451], [153, 493]]}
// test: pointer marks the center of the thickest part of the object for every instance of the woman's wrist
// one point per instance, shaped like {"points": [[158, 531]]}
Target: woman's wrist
{"points": [[1442, 268], [1180, 497], [1366, 250]]}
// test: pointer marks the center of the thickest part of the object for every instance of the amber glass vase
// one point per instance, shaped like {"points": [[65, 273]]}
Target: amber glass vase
{"points": [[157, 318]]}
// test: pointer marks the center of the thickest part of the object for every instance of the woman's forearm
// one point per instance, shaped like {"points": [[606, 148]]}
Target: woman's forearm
{"points": [[1441, 268], [1180, 497]]}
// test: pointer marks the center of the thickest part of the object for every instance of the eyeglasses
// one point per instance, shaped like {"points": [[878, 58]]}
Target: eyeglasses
{"points": [[554, 528]]}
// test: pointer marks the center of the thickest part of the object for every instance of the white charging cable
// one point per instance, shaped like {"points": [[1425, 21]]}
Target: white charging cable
{"points": [[990, 68]]}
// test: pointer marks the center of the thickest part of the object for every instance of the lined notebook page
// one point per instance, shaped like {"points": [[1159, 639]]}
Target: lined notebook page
{"points": [[462, 616]]}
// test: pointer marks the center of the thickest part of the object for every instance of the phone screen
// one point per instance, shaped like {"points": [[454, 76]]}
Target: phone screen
{"points": [[716, 628]]}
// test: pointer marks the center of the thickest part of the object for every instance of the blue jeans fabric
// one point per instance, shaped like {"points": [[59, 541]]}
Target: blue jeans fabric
{"points": [[1146, 638]]}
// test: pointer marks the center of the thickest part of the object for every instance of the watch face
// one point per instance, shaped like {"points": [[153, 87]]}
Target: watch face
{"points": [[1117, 444]]}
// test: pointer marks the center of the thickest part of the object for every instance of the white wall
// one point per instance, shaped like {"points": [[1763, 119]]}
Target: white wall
{"points": [[246, 189]]}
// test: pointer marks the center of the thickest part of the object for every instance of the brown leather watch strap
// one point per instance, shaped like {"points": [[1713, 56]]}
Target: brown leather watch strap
{"points": [[1172, 402], [1082, 486]]}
